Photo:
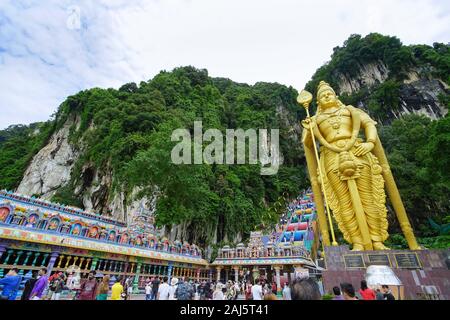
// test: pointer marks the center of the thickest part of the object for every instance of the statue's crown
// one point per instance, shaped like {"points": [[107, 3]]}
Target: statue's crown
{"points": [[322, 87]]}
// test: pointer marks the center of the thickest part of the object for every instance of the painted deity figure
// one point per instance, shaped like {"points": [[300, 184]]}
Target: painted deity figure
{"points": [[353, 178], [76, 230], [4, 213], [53, 224]]}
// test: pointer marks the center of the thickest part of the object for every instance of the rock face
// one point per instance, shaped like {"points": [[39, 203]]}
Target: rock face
{"points": [[51, 167], [421, 97], [369, 75], [418, 93]]}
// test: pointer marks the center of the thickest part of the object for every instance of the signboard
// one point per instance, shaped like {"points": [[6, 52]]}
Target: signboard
{"points": [[407, 260], [354, 261], [301, 273], [379, 260]]}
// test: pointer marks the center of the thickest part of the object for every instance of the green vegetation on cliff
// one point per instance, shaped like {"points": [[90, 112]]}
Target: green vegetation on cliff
{"points": [[127, 133], [18, 145]]}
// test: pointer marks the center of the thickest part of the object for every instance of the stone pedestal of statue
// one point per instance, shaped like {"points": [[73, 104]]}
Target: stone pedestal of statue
{"points": [[424, 274]]}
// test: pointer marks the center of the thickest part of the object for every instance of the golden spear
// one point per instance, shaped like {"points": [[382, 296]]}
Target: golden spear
{"points": [[305, 98]]}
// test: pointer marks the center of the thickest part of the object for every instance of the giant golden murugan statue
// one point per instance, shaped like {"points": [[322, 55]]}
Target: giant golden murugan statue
{"points": [[352, 173]]}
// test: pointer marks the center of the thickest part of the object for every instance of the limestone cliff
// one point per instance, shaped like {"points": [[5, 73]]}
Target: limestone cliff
{"points": [[418, 93], [51, 167]]}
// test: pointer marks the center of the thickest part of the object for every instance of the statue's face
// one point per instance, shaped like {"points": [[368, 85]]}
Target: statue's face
{"points": [[327, 99]]}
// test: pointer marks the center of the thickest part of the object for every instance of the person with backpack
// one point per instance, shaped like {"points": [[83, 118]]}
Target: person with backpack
{"points": [[184, 291], [57, 285], [11, 283]]}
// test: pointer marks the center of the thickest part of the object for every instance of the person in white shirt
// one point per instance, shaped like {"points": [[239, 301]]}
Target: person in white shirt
{"points": [[148, 291], [257, 291], [286, 292], [163, 290], [218, 293], [173, 288]]}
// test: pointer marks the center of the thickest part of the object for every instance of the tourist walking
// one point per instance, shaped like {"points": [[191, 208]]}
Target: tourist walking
{"points": [[173, 288], [230, 293], [286, 292], [29, 285], [201, 290], [103, 288], [155, 287], [184, 291], [73, 283], [248, 291], [148, 291], [11, 283], [348, 291], [163, 290], [129, 288], [88, 289], [257, 291], [365, 292], [218, 293], [269, 294], [387, 294], [379, 294], [40, 285], [237, 290], [57, 285], [337, 294], [208, 291], [117, 290]]}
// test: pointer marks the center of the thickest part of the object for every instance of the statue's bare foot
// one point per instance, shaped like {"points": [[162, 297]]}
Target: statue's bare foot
{"points": [[358, 247], [380, 246]]}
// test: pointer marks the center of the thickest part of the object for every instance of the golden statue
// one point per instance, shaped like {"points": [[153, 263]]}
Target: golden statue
{"points": [[352, 173]]}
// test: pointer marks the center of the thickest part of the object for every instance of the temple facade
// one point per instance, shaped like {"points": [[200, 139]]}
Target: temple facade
{"points": [[36, 233]]}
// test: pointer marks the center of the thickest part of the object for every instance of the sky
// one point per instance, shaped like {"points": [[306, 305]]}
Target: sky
{"points": [[50, 49]]}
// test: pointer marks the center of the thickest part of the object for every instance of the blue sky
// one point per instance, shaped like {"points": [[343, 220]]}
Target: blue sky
{"points": [[52, 49]]}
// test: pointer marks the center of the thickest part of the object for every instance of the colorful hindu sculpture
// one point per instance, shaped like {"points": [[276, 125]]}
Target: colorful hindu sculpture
{"points": [[93, 232], [352, 172], [74, 221], [4, 211], [76, 229], [124, 238], [53, 224]]}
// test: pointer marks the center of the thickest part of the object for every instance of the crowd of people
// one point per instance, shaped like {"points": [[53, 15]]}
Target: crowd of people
{"points": [[42, 287], [346, 291]]}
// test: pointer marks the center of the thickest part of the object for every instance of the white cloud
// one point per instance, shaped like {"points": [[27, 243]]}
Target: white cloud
{"points": [[47, 53]]}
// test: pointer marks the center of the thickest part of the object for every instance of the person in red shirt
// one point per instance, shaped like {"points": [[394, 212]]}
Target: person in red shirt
{"points": [[89, 287], [366, 292]]}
